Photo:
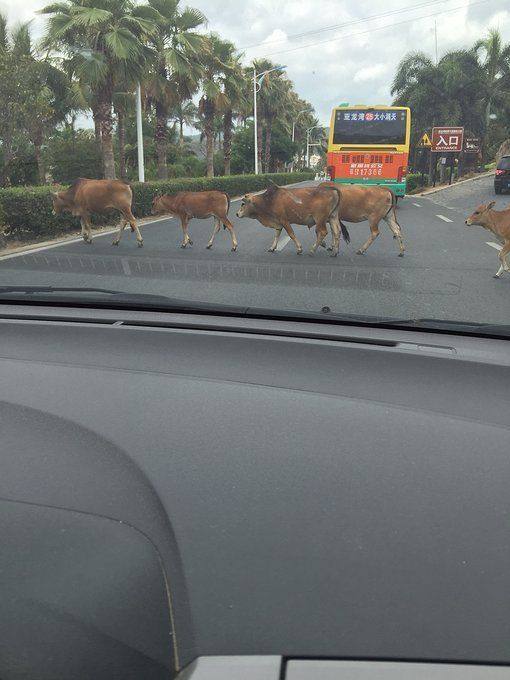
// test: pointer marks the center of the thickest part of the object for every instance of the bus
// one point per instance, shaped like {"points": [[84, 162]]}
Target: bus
{"points": [[370, 145]]}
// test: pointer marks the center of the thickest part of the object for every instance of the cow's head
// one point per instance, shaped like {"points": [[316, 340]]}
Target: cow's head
{"points": [[247, 207], [59, 202], [480, 215], [159, 205]]}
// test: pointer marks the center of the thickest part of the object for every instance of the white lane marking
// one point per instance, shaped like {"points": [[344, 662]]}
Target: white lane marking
{"points": [[445, 219], [66, 242], [418, 205], [109, 232], [496, 246], [282, 242]]}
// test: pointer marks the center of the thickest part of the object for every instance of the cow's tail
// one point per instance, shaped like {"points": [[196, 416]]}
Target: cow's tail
{"points": [[393, 203], [228, 203], [345, 232]]}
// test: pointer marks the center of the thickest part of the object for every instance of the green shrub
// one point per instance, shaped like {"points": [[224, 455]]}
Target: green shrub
{"points": [[27, 212], [414, 181]]}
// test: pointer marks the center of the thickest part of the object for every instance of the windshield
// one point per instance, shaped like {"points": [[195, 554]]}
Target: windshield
{"points": [[334, 160], [366, 126]]}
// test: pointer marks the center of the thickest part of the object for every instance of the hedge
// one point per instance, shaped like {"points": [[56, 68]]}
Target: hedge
{"points": [[26, 212], [414, 181]]}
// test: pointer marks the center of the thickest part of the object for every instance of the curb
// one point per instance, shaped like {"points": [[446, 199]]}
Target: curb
{"points": [[100, 231], [435, 190]]}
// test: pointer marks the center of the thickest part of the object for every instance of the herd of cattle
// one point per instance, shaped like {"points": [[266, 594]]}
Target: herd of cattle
{"points": [[278, 208]]}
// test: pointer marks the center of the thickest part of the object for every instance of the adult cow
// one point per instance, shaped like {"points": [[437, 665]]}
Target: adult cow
{"points": [[87, 196], [498, 222], [199, 204], [374, 203], [278, 208]]}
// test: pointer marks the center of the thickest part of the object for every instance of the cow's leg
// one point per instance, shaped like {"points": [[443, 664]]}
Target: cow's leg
{"points": [[228, 225], [391, 221], [124, 221], [374, 233], [134, 227], [321, 232], [86, 228], [334, 223], [217, 227], [185, 236], [502, 258], [278, 231], [290, 231]]}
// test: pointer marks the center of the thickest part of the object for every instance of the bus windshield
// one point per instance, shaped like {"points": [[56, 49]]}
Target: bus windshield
{"points": [[368, 126]]}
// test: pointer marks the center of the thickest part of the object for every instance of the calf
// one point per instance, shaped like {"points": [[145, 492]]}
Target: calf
{"points": [[86, 196], [199, 204], [372, 204], [278, 208], [498, 222]]}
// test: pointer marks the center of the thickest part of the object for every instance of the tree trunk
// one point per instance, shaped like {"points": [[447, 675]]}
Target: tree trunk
{"points": [[227, 141], [259, 145], [121, 130], [181, 132], [97, 126], [209, 136], [160, 138], [41, 170], [106, 119], [267, 152]]}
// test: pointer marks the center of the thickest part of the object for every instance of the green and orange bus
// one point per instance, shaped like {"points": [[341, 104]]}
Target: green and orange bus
{"points": [[370, 145]]}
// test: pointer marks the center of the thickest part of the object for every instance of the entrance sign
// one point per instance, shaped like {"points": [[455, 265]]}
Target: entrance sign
{"points": [[447, 139]]}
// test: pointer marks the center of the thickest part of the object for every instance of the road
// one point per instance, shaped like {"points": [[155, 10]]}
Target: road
{"points": [[446, 273]]}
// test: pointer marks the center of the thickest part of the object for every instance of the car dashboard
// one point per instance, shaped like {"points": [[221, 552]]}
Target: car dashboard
{"points": [[193, 496]]}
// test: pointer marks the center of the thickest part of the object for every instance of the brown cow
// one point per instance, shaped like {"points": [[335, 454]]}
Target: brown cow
{"points": [[373, 203], [86, 196], [278, 208], [498, 222], [199, 204]]}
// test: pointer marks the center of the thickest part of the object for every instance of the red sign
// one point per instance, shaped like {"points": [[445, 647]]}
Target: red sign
{"points": [[447, 139], [375, 165]]}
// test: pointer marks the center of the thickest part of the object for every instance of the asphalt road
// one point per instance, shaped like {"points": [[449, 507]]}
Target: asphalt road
{"points": [[446, 273]]}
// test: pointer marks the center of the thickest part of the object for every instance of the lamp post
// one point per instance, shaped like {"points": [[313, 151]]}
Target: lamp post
{"points": [[139, 134], [308, 143], [257, 83]]}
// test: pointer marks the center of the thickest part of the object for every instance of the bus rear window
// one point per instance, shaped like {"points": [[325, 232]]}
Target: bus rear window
{"points": [[365, 126]]}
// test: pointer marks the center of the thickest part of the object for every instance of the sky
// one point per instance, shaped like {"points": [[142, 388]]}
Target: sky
{"points": [[352, 47]]}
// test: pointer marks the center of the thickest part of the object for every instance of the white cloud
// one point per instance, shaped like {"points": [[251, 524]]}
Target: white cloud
{"points": [[369, 73], [358, 61]]}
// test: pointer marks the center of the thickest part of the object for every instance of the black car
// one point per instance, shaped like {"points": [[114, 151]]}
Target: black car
{"points": [[502, 177]]}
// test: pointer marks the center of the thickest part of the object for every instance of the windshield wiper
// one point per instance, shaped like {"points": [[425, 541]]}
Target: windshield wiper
{"points": [[111, 299], [105, 297]]}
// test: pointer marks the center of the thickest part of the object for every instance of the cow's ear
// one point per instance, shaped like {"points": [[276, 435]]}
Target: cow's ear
{"points": [[273, 184], [491, 205]]}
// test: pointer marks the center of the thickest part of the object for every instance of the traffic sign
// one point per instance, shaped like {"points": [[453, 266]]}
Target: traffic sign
{"points": [[472, 144], [425, 140], [447, 139]]}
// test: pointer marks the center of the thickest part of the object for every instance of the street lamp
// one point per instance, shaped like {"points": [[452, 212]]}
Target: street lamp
{"points": [[257, 83], [296, 120], [139, 134], [308, 142]]}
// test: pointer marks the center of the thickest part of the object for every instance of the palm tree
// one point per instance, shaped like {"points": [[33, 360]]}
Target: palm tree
{"points": [[494, 60], [104, 41], [174, 72], [234, 89], [213, 99], [185, 113]]}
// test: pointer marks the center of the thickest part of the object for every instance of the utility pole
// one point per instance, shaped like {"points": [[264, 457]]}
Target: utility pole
{"points": [[139, 134], [435, 35], [255, 123]]}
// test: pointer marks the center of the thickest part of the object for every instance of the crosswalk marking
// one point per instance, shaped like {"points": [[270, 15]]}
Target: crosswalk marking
{"points": [[282, 242], [445, 219], [496, 246], [418, 205]]}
